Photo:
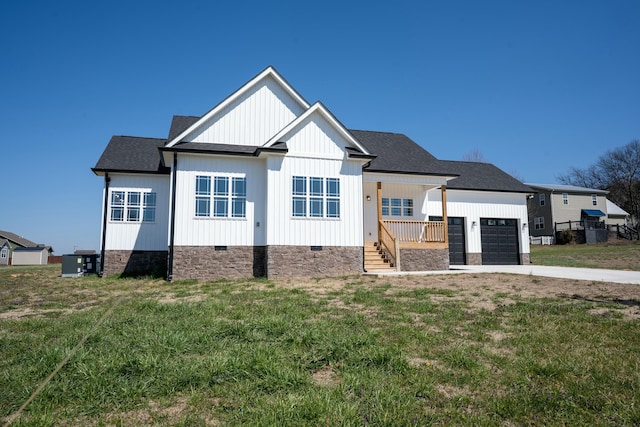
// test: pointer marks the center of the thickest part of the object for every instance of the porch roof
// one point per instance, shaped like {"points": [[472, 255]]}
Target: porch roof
{"points": [[397, 153], [593, 212]]}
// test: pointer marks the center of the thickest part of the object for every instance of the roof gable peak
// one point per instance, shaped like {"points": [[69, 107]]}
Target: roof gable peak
{"points": [[319, 108], [269, 72]]}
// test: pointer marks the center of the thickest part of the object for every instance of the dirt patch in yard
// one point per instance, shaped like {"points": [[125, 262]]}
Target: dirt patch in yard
{"points": [[488, 291]]}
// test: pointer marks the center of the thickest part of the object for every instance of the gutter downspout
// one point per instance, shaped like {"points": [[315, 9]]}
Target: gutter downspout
{"points": [[107, 180], [173, 216]]}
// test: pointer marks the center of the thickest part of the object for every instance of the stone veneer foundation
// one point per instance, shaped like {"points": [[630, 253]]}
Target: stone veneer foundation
{"points": [[310, 261], [474, 258], [424, 259], [218, 262], [134, 262]]}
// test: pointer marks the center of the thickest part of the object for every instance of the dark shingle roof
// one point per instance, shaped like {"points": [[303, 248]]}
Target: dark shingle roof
{"points": [[179, 124], [132, 154], [12, 237], [483, 176], [397, 153], [394, 153]]}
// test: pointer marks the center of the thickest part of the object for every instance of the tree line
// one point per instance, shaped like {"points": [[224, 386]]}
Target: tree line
{"points": [[617, 171]]}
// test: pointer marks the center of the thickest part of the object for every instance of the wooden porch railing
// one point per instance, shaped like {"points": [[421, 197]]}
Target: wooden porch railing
{"points": [[417, 231], [390, 243]]}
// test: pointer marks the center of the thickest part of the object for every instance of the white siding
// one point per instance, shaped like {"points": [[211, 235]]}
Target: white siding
{"points": [[197, 231], [283, 229], [138, 235], [313, 137], [474, 205], [251, 119], [417, 193]]}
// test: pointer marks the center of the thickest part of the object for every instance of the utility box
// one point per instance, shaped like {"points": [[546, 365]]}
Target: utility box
{"points": [[76, 265]]}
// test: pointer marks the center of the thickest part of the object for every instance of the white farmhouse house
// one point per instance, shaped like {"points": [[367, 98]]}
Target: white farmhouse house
{"points": [[266, 184]]}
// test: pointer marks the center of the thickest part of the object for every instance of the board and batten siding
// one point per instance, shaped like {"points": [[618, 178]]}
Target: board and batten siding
{"points": [[473, 205], [150, 236], [284, 229], [315, 149], [199, 231], [252, 119]]}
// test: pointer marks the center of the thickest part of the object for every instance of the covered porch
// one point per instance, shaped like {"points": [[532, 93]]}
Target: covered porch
{"points": [[421, 244]]}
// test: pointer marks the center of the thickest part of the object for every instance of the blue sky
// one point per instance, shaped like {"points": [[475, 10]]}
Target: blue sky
{"points": [[535, 87]]}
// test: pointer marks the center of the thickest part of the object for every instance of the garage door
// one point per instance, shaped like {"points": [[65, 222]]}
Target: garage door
{"points": [[499, 241], [457, 247]]}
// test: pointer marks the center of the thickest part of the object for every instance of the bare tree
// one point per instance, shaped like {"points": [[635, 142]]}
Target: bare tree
{"points": [[617, 171], [474, 156]]}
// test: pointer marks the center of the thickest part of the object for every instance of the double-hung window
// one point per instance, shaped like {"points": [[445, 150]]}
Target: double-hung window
{"points": [[4, 253], [226, 198], [594, 199], [133, 206], [565, 198], [315, 197], [542, 199], [397, 207], [539, 223]]}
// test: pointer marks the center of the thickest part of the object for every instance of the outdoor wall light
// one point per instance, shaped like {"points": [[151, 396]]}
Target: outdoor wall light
{"points": [[473, 224], [524, 226], [368, 198]]}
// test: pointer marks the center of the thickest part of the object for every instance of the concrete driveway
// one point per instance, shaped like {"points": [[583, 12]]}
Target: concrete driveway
{"points": [[590, 274]]}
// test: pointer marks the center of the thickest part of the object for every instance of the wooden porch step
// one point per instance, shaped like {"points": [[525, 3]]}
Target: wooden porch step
{"points": [[375, 259]]}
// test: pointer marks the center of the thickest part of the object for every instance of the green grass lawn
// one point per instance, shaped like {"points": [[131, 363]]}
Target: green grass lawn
{"points": [[367, 352], [601, 255]]}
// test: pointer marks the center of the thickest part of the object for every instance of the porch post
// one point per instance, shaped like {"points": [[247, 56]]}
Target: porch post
{"points": [[443, 190], [379, 202]]}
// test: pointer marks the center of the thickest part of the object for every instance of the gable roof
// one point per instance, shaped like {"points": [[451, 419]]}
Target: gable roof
{"points": [[132, 154], [326, 114], [566, 188], [19, 240], [179, 124], [613, 209], [397, 153], [484, 177], [267, 72]]}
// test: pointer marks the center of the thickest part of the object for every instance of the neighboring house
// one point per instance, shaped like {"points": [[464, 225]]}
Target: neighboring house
{"points": [[9, 242], [5, 252], [266, 184], [616, 216], [38, 255], [556, 207]]}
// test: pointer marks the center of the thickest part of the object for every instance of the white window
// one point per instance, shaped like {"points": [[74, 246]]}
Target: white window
{"points": [[542, 199], [222, 197], [397, 207], [539, 223], [4, 253], [565, 198], [594, 199], [127, 206], [315, 197]]}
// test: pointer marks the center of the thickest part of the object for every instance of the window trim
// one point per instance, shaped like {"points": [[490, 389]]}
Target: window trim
{"points": [[397, 207], [315, 197], [133, 206], [220, 197]]}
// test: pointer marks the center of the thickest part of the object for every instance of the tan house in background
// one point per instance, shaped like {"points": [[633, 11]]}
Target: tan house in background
{"points": [[556, 207]]}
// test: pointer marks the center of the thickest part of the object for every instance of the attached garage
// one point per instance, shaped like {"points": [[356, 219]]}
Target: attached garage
{"points": [[499, 239], [457, 241]]}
